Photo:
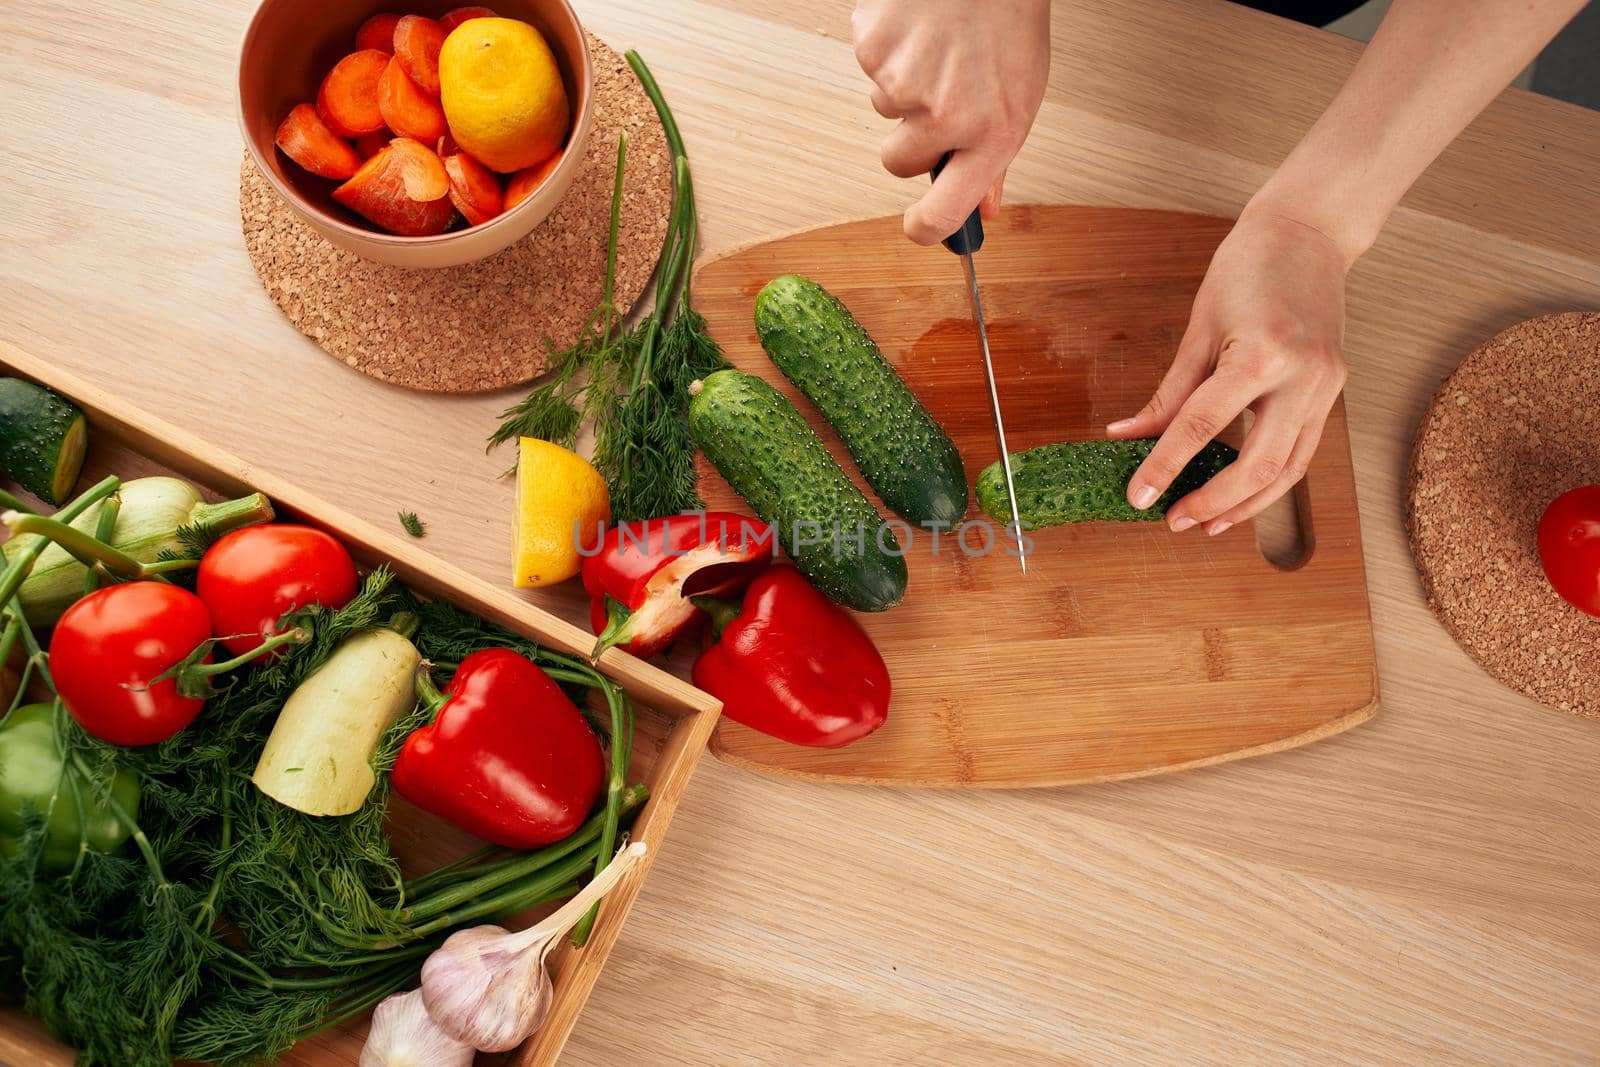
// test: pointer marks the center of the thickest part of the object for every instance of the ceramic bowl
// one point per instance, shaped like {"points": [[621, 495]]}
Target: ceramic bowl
{"points": [[292, 44]]}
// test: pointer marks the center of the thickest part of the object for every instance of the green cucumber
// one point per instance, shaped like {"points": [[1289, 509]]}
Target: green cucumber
{"points": [[42, 439], [1087, 481], [905, 456], [772, 458]]}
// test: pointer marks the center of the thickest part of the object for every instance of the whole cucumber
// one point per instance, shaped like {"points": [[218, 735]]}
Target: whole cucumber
{"points": [[905, 455], [773, 459], [43, 438], [1087, 481]]}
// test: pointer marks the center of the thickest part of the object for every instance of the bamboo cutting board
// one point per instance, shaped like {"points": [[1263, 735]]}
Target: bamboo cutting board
{"points": [[1126, 650]]}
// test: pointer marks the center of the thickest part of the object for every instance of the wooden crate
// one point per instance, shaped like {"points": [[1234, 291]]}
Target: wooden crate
{"points": [[674, 719]]}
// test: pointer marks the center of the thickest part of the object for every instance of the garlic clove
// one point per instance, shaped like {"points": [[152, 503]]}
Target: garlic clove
{"points": [[403, 1034], [489, 988], [483, 990]]}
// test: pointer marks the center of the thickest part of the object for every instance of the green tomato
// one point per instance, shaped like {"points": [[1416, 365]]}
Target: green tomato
{"points": [[31, 773]]}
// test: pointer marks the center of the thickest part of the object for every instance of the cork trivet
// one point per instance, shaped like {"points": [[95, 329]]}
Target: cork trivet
{"points": [[483, 325], [1512, 428]]}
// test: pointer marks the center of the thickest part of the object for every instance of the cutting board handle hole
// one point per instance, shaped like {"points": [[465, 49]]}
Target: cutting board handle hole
{"points": [[1284, 535]]}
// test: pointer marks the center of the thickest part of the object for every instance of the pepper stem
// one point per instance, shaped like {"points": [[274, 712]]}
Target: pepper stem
{"points": [[722, 612], [618, 629]]}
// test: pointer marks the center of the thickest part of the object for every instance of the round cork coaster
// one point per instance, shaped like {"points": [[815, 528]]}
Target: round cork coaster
{"points": [[1512, 428], [493, 323]]}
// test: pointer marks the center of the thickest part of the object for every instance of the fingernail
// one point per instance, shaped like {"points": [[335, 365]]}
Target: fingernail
{"points": [[1119, 426], [1218, 527], [1144, 497], [1181, 524]]}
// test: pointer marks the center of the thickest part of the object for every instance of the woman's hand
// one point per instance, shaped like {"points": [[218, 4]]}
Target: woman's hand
{"points": [[1266, 334], [961, 76]]}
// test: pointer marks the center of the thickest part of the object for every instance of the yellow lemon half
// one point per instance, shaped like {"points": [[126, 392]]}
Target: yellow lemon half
{"points": [[562, 505], [502, 93]]}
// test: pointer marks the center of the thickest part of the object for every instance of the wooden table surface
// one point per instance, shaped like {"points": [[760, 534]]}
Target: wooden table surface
{"points": [[1422, 888]]}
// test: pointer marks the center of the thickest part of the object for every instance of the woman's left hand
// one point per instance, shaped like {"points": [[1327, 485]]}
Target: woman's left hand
{"points": [[1265, 335]]}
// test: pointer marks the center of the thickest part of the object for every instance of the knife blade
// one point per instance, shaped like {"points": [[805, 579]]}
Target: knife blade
{"points": [[964, 242]]}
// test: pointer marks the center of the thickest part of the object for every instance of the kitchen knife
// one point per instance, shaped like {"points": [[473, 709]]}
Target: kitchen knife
{"points": [[964, 242]]}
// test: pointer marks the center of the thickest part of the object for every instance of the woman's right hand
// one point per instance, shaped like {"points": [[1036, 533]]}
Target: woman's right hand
{"points": [[962, 77]]}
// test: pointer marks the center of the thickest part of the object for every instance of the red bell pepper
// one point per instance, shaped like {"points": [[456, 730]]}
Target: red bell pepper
{"points": [[640, 579], [507, 757], [793, 664]]}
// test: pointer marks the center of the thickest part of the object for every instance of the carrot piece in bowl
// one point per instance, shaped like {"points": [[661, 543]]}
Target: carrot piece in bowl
{"points": [[402, 189], [406, 108], [348, 98], [378, 32], [522, 184], [306, 139], [474, 189], [451, 19], [417, 40]]}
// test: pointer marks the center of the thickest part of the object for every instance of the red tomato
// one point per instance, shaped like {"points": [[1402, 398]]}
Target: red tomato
{"points": [[252, 578], [108, 646], [1569, 547]]}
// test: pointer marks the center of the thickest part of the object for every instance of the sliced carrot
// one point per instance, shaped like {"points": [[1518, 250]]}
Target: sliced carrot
{"points": [[306, 139], [348, 99], [407, 109], [522, 184], [451, 19], [391, 189], [370, 144], [417, 40], [474, 189], [421, 170], [378, 32]]}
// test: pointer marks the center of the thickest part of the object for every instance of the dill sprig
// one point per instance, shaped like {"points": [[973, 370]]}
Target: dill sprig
{"points": [[412, 524], [634, 385]]}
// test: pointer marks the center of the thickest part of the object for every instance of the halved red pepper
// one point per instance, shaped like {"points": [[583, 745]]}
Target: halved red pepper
{"points": [[793, 664], [642, 575]]}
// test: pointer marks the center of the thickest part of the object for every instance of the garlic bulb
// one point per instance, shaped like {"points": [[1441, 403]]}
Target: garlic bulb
{"points": [[403, 1034], [489, 987]]}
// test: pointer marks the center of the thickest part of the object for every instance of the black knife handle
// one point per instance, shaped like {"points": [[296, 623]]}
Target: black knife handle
{"points": [[969, 238]]}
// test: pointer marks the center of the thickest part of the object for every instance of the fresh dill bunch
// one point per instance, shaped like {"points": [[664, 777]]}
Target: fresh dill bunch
{"points": [[556, 409], [551, 412], [634, 386], [412, 524], [649, 464], [446, 635]]}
